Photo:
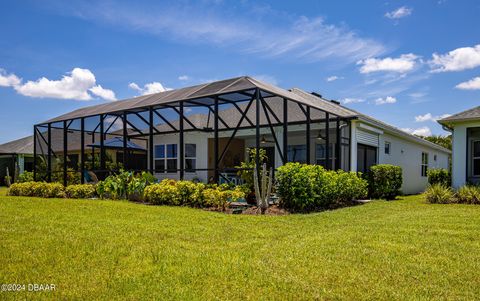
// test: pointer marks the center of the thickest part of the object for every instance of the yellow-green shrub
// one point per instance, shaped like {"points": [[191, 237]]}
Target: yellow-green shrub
{"points": [[37, 189], [80, 191], [187, 193], [468, 194], [439, 194], [164, 193]]}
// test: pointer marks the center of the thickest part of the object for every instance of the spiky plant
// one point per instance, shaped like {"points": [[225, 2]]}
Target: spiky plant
{"points": [[263, 187]]}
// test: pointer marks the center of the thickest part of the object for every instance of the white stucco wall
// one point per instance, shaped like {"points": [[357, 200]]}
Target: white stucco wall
{"points": [[459, 156], [408, 155], [404, 153]]}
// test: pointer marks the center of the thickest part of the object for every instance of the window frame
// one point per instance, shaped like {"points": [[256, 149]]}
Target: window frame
{"points": [[424, 164], [389, 148], [473, 158], [194, 158], [166, 158]]}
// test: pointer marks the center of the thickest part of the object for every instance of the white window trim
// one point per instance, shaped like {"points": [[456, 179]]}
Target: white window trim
{"points": [[389, 148], [424, 164], [194, 158], [166, 158]]}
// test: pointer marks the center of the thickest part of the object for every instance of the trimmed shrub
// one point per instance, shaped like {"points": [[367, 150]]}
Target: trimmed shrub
{"points": [[80, 191], [37, 189], [350, 186], [439, 176], [468, 195], [164, 193], [187, 193], [384, 181], [439, 194], [26, 176], [303, 187], [186, 190]]}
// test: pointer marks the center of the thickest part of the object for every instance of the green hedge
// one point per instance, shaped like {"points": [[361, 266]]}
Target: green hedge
{"points": [[384, 181], [439, 176], [304, 188], [37, 189]]}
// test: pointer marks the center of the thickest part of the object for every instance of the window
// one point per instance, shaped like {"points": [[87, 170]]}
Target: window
{"points": [[166, 158], [476, 158], [424, 164], [320, 154], [160, 158], [435, 158], [190, 157], [387, 148], [297, 153]]}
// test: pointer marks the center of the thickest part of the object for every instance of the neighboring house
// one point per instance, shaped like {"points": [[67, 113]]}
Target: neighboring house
{"points": [[18, 152], [221, 120], [465, 128]]}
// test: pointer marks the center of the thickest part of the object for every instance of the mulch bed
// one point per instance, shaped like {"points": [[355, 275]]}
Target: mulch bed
{"points": [[272, 210]]}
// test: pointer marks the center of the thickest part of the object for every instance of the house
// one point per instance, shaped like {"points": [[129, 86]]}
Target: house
{"points": [[204, 132], [16, 154], [19, 153], [465, 129]]}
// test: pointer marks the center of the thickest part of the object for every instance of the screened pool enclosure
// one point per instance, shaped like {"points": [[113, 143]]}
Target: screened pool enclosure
{"points": [[201, 132]]}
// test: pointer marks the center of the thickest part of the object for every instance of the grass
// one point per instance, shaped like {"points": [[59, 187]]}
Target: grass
{"points": [[405, 249]]}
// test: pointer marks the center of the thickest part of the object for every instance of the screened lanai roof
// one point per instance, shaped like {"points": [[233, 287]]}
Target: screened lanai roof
{"points": [[229, 89]]}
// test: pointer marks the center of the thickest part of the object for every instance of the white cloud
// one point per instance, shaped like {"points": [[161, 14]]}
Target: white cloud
{"points": [[75, 85], [183, 77], [402, 64], [311, 39], [456, 60], [399, 13], [150, 88], [114, 123], [423, 118], [8, 80], [106, 94], [430, 117], [417, 94], [352, 100], [386, 100], [333, 78], [423, 131], [473, 84]]}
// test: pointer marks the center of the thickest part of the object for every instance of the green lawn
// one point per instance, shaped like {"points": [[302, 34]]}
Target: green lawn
{"points": [[110, 250]]}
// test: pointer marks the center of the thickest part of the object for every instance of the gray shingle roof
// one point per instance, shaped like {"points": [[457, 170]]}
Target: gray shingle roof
{"points": [[468, 115], [19, 146]]}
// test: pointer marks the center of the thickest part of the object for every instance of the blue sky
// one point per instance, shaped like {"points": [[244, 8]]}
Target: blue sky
{"points": [[403, 62]]}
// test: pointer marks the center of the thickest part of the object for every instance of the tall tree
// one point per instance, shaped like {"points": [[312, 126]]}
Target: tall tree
{"points": [[444, 141]]}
